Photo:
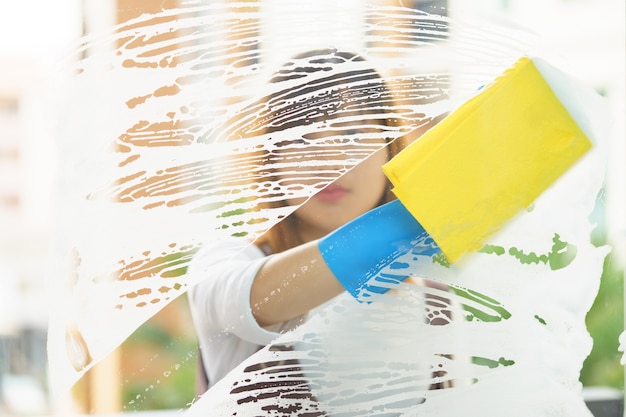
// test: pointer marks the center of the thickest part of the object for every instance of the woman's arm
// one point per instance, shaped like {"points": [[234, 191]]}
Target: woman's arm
{"points": [[292, 283]]}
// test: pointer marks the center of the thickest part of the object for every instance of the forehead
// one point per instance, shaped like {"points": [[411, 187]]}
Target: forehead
{"points": [[337, 107]]}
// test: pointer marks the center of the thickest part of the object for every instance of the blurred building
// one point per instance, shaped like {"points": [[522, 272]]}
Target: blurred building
{"points": [[26, 165]]}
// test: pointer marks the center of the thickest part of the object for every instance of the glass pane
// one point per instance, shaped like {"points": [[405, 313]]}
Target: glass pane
{"points": [[196, 139]]}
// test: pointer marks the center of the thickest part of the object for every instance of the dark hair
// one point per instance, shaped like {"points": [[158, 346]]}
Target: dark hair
{"points": [[330, 87]]}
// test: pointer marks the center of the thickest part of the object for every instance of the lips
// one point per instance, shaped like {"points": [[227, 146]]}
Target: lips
{"points": [[331, 193]]}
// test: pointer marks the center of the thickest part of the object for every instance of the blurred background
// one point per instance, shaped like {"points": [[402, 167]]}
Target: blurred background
{"points": [[38, 37]]}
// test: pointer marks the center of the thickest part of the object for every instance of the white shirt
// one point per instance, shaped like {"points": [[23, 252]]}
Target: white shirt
{"points": [[220, 305]]}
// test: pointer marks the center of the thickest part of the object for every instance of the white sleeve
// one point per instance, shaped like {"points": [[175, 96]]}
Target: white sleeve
{"points": [[222, 272]]}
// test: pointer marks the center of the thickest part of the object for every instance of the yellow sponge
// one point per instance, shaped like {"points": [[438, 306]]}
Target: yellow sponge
{"points": [[487, 160]]}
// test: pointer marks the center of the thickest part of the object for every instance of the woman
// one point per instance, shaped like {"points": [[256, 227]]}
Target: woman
{"points": [[336, 240]]}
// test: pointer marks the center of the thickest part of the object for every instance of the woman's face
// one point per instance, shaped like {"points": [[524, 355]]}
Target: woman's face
{"points": [[352, 194]]}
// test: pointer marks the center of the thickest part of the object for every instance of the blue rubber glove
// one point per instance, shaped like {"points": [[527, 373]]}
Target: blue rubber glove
{"points": [[360, 249]]}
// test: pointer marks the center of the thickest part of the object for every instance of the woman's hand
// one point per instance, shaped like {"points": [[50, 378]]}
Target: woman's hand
{"points": [[360, 249]]}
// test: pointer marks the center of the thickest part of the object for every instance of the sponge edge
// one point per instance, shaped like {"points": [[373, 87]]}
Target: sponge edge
{"points": [[488, 160]]}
